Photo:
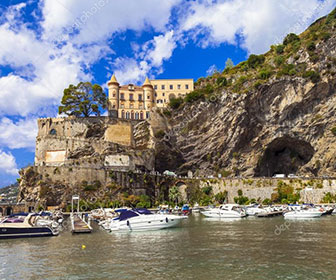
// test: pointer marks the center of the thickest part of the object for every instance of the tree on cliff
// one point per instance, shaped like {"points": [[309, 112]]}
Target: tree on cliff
{"points": [[83, 100], [174, 194]]}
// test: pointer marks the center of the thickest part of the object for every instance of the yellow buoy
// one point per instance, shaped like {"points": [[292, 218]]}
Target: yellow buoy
{"points": [[83, 246]]}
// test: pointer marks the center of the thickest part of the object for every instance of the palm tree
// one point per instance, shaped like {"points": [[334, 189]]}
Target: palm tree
{"points": [[174, 194]]}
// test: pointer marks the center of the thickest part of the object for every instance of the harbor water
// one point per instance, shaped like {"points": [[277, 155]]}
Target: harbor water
{"points": [[249, 248]]}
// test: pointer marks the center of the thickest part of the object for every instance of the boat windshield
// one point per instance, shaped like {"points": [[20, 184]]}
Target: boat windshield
{"points": [[127, 214], [144, 211]]}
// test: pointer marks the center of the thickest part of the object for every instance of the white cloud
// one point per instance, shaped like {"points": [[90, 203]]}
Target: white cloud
{"points": [[8, 163], [20, 134], [260, 23]]}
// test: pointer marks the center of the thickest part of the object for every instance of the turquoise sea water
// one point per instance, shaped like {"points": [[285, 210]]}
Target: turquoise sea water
{"points": [[201, 248]]}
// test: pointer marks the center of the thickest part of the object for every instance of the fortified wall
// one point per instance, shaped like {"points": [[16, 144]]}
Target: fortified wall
{"points": [[95, 142]]}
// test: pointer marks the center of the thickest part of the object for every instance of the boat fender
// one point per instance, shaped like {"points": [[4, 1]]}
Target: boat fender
{"points": [[128, 223], [166, 220]]}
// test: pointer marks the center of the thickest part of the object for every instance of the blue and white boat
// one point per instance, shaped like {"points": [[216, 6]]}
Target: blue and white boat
{"points": [[25, 225], [143, 219]]}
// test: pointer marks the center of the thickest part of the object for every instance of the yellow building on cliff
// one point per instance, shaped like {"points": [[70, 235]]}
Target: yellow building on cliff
{"points": [[136, 102]]}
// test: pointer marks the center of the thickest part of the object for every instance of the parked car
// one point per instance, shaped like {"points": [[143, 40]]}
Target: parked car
{"points": [[169, 173], [292, 176]]}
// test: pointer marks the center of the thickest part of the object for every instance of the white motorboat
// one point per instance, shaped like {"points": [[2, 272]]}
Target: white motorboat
{"points": [[225, 211], [303, 212], [196, 208], [255, 209], [25, 225], [143, 219]]}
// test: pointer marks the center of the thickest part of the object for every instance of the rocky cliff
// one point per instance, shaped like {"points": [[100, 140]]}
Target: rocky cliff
{"points": [[274, 113]]}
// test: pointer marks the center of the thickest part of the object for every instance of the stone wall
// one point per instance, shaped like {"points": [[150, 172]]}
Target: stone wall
{"points": [[92, 142]]}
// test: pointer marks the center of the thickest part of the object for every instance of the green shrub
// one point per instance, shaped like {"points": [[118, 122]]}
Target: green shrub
{"points": [[175, 103], [240, 192], [325, 36], [312, 75], [255, 60], [159, 134], [221, 82], [241, 200], [290, 38], [221, 196], [333, 131], [207, 190], [264, 74], [279, 49], [311, 46], [279, 60], [286, 69], [194, 96], [267, 201]]}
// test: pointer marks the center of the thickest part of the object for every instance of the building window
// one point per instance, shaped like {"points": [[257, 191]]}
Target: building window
{"points": [[164, 101], [114, 95], [122, 106], [158, 101], [136, 115], [131, 96], [141, 115], [131, 106], [171, 87], [155, 86], [127, 115], [178, 86], [148, 97], [122, 96], [53, 132], [140, 106], [140, 97], [123, 114], [155, 94], [162, 86], [147, 115], [132, 115], [163, 94], [186, 86]]}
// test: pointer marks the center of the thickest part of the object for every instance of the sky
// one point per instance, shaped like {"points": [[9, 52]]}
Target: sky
{"points": [[48, 44]]}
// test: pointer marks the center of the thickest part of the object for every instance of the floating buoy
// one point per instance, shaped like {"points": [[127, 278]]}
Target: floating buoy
{"points": [[83, 247]]}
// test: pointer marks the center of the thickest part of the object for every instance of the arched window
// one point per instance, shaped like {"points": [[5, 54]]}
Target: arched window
{"points": [[122, 114], [141, 115], [132, 115], [136, 115], [147, 115], [127, 115], [52, 132]]}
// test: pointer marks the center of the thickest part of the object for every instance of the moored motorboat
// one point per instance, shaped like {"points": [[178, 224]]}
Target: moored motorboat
{"points": [[143, 219], [225, 211], [302, 212], [25, 225]]}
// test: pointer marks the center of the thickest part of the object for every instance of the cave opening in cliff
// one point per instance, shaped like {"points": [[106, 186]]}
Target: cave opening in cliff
{"points": [[284, 155]]}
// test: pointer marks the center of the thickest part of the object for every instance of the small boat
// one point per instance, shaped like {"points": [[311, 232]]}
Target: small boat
{"points": [[143, 219], [253, 210], [303, 212], [25, 225], [196, 208], [225, 211]]}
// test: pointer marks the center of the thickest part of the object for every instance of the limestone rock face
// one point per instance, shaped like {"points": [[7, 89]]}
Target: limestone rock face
{"points": [[283, 125]]}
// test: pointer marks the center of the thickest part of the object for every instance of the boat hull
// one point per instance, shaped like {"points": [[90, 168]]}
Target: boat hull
{"points": [[222, 214], [147, 223], [302, 215], [12, 232]]}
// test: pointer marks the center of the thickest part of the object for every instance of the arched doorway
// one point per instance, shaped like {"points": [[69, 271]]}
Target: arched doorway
{"points": [[127, 115], [123, 114], [136, 115], [9, 211], [132, 115], [141, 115]]}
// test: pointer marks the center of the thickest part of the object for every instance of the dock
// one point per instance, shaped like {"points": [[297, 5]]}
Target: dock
{"points": [[269, 214], [79, 225]]}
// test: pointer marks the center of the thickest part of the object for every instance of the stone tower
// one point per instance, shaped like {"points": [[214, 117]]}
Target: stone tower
{"points": [[113, 97], [148, 95]]}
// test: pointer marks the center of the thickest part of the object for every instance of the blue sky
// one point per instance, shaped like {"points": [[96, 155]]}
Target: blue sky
{"points": [[48, 44]]}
